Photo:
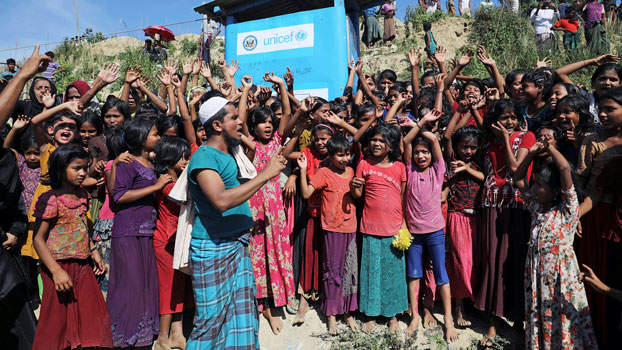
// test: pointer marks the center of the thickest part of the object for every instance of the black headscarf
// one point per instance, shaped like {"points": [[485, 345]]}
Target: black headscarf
{"points": [[30, 108]]}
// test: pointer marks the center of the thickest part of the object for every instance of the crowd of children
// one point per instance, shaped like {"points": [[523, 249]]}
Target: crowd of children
{"points": [[486, 194]]}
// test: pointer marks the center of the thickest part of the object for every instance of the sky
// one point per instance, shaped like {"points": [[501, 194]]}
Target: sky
{"points": [[30, 22]]}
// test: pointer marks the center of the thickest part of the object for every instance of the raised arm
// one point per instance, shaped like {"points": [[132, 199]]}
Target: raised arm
{"points": [[573, 67], [563, 166], [512, 161], [491, 66], [207, 73], [439, 56], [131, 75], [20, 123], [191, 136], [9, 96], [186, 69], [306, 189], [284, 99], [431, 116], [108, 75], [464, 61], [338, 122], [165, 78], [142, 85], [363, 83], [247, 83], [520, 175], [414, 57], [38, 121]]}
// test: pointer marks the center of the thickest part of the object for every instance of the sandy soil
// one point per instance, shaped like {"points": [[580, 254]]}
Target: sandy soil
{"points": [[313, 333]]}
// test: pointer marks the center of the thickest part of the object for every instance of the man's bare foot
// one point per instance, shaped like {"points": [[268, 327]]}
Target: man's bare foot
{"points": [[351, 322], [460, 321], [393, 325], [488, 338], [369, 326], [276, 323], [429, 321], [302, 311], [332, 325], [413, 325]]}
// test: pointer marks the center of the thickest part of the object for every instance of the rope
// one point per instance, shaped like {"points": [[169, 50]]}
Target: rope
{"points": [[105, 35]]}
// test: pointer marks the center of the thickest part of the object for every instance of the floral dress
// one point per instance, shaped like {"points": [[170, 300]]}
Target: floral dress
{"points": [[556, 309], [271, 250]]}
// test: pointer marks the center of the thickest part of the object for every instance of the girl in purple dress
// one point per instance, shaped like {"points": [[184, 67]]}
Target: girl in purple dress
{"points": [[133, 287]]}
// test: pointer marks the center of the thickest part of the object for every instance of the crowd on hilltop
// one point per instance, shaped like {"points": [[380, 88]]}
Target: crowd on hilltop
{"points": [[236, 199]]}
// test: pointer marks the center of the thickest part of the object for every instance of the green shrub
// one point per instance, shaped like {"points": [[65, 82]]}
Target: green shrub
{"points": [[416, 16]]}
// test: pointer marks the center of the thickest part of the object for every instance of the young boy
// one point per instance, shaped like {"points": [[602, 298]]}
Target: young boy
{"points": [[570, 25], [11, 72], [53, 67]]}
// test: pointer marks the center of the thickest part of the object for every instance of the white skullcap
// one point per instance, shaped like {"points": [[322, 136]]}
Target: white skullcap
{"points": [[210, 108]]}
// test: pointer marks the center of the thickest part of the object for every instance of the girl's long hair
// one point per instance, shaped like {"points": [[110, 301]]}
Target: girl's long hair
{"points": [[60, 160], [169, 150]]}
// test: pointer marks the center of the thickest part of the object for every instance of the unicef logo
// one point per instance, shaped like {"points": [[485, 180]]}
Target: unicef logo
{"points": [[301, 35], [250, 42]]}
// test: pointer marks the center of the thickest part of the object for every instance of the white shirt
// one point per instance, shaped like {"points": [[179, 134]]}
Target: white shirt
{"points": [[544, 20]]}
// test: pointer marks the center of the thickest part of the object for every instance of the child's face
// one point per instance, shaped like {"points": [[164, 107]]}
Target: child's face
{"points": [[427, 81], [11, 67], [543, 193], [42, 87], [264, 131], [370, 81], [76, 171], [467, 147], [566, 117], [63, 131], [422, 156], [607, 80], [365, 118], [516, 89], [472, 93], [386, 83], [321, 113], [87, 132], [180, 165], [32, 156], [509, 120], [113, 117], [320, 139], [547, 135], [409, 93], [152, 139], [610, 114], [531, 91], [557, 93], [340, 159], [378, 146], [278, 114], [393, 96], [200, 134]]}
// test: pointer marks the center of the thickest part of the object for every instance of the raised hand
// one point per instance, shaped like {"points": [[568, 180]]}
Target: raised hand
{"points": [[440, 54], [414, 56], [110, 73], [35, 64], [492, 94], [359, 66], [306, 104], [164, 76], [432, 116], [225, 88], [171, 66], [205, 71], [247, 82], [606, 59], [175, 81], [196, 65], [465, 59], [543, 63], [48, 99], [21, 122], [222, 64], [289, 78], [302, 161], [132, 74], [484, 57], [272, 78], [333, 118], [233, 68], [73, 107], [186, 67], [439, 79], [379, 111]]}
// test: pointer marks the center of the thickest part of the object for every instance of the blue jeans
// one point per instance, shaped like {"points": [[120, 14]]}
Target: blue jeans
{"points": [[435, 244]]}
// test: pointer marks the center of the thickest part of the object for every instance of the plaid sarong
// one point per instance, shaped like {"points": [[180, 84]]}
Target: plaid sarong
{"points": [[224, 292]]}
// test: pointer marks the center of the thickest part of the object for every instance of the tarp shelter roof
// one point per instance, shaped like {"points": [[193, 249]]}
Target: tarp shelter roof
{"points": [[245, 10]]}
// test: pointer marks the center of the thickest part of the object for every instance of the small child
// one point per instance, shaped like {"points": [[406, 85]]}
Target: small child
{"points": [[426, 170], [430, 42], [570, 26], [381, 181], [338, 215], [552, 284], [73, 312]]}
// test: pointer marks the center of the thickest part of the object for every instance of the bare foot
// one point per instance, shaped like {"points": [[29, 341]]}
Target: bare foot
{"points": [[488, 338], [451, 335], [413, 325], [332, 325], [351, 322], [429, 321], [276, 323], [369, 326], [302, 311], [177, 341], [460, 321], [393, 325]]}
